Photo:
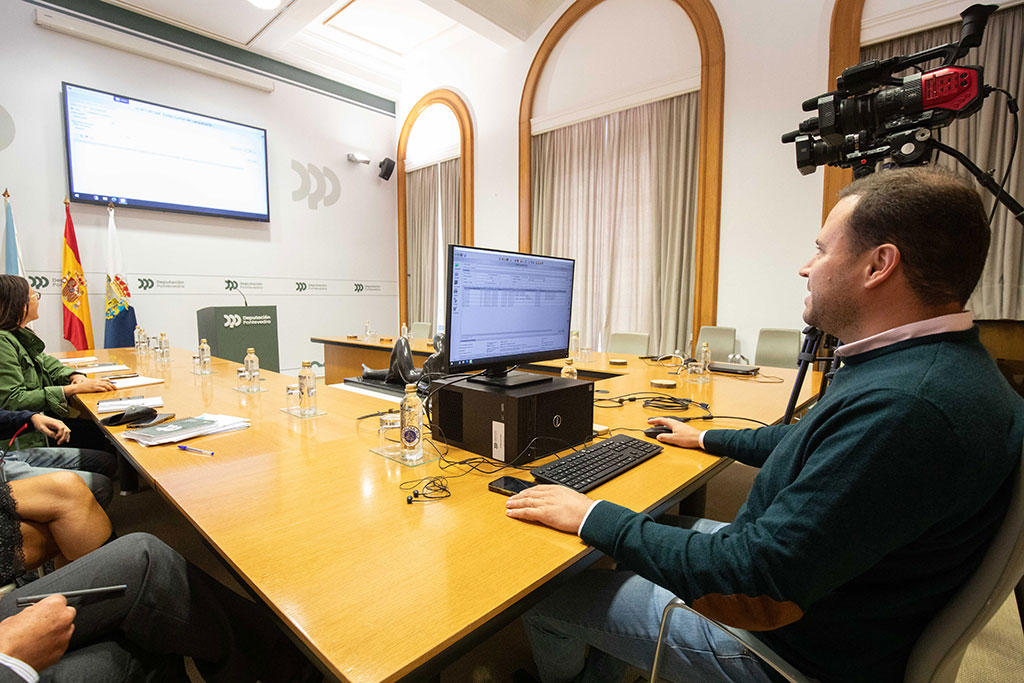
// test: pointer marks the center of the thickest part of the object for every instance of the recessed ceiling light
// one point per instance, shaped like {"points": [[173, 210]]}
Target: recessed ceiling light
{"points": [[265, 4]]}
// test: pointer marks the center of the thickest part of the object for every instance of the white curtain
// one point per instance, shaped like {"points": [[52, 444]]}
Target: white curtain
{"points": [[421, 241], [986, 139], [618, 194]]}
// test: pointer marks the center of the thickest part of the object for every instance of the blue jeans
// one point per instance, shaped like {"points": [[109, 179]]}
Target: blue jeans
{"points": [[96, 468], [618, 614]]}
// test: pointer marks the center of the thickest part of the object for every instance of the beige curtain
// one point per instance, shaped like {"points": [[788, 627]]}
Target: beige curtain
{"points": [[618, 194], [986, 138], [451, 199], [421, 241]]}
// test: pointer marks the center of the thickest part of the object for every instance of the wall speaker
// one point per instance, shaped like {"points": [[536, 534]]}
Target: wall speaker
{"points": [[387, 167]]}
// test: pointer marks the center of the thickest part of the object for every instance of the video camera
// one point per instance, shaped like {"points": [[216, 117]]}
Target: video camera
{"points": [[873, 115]]}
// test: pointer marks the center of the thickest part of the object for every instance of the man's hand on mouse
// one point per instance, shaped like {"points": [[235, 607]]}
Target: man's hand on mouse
{"points": [[682, 434], [556, 506]]}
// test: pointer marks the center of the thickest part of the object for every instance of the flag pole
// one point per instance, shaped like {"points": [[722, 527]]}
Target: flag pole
{"points": [[6, 193], [66, 202]]}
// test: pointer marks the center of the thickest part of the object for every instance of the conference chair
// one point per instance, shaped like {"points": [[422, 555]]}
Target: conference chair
{"points": [[628, 342], [420, 331], [777, 347], [937, 654], [721, 341]]}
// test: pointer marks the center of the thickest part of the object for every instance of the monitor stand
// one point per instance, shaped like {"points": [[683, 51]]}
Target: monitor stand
{"points": [[509, 379]]}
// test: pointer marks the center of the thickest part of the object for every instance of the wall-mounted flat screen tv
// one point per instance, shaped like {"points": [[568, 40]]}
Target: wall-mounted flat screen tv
{"points": [[148, 156]]}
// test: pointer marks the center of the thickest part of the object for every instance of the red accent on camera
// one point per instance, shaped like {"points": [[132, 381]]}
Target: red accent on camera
{"points": [[952, 87]]}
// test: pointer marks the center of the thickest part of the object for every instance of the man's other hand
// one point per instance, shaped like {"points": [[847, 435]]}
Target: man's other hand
{"points": [[556, 506], [38, 635], [51, 427]]}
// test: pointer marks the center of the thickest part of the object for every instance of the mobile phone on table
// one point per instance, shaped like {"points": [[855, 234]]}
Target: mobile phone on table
{"points": [[509, 486]]}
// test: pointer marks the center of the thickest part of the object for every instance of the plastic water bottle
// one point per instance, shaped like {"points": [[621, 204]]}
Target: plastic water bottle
{"points": [[252, 370], [569, 369], [366, 331], [705, 362], [411, 431], [140, 339], [574, 344], [307, 390], [163, 351], [204, 358], [405, 331]]}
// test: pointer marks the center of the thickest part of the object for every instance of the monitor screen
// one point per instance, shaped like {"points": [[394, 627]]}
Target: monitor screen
{"points": [[147, 156], [506, 308]]}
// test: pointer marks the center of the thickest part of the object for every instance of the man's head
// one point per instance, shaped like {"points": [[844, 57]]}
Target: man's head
{"points": [[915, 234]]}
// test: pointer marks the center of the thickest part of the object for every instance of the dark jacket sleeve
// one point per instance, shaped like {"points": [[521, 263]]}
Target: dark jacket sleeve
{"points": [[830, 524], [11, 421], [748, 446]]}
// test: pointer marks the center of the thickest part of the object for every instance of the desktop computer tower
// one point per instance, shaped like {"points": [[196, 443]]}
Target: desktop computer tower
{"points": [[516, 424]]}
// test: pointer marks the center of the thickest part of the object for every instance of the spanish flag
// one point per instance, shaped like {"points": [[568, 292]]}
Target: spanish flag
{"points": [[77, 323]]}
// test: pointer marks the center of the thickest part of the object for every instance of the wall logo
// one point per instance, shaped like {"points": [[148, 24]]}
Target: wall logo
{"points": [[300, 286], [232, 320], [38, 281], [359, 287], [145, 283], [313, 193], [231, 285]]}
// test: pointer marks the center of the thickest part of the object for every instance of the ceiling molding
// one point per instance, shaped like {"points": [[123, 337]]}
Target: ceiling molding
{"points": [[920, 17], [148, 28]]}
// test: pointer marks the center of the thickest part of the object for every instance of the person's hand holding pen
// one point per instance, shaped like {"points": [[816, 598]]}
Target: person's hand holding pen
{"points": [[39, 635]]}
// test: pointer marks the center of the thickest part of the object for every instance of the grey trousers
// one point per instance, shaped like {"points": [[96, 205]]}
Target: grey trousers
{"points": [[170, 609]]}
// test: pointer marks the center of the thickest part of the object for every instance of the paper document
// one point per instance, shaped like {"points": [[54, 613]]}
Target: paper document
{"points": [[80, 360], [129, 382], [116, 405], [186, 428], [103, 367]]}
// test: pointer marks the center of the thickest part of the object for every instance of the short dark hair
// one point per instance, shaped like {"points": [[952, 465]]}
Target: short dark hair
{"points": [[937, 221], [13, 300]]}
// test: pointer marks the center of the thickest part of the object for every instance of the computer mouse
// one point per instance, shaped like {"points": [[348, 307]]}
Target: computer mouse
{"points": [[654, 430], [131, 414]]}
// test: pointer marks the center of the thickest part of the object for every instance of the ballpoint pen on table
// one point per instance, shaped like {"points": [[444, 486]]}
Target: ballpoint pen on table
{"points": [[26, 600], [200, 451]]}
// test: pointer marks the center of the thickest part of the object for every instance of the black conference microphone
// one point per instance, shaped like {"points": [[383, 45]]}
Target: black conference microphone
{"points": [[244, 300]]}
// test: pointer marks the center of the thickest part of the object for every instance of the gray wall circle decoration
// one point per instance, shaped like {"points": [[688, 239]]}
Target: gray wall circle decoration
{"points": [[6, 129]]}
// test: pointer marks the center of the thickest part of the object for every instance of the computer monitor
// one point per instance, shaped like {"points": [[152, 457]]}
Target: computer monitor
{"points": [[504, 309]]}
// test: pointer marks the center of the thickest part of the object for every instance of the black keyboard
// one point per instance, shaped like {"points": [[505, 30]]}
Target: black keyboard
{"points": [[592, 466]]}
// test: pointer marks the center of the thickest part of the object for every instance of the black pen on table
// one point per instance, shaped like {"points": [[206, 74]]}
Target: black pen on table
{"points": [[26, 600]]}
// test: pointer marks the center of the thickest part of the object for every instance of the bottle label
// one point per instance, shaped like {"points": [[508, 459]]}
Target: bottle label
{"points": [[410, 435]]}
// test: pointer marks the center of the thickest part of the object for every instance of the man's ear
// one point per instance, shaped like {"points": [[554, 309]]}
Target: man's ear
{"points": [[882, 263]]}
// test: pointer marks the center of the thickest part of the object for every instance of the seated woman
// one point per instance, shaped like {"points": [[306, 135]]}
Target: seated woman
{"points": [[31, 380]]}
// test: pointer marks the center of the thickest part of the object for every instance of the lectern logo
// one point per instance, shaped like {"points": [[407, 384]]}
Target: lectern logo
{"points": [[300, 286], [556, 422], [145, 283], [231, 285], [38, 281], [232, 320], [359, 287]]}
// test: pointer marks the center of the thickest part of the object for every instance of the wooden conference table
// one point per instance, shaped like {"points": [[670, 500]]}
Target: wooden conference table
{"points": [[317, 527]]}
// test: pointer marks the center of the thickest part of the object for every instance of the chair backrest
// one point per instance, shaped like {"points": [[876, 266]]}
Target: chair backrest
{"points": [[721, 341], [777, 347], [419, 330], [628, 342], [937, 655]]}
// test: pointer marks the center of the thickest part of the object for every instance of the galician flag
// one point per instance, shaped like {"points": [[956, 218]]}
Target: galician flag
{"points": [[120, 326], [12, 255], [77, 322]]}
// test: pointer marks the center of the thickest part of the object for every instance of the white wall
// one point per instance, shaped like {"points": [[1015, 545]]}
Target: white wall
{"points": [[330, 248], [776, 55]]}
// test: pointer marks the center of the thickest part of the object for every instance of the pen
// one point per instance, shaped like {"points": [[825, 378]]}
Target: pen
{"points": [[26, 600], [126, 376], [200, 451]]}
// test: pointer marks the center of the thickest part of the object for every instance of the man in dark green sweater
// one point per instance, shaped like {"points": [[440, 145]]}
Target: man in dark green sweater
{"points": [[866, 516]]}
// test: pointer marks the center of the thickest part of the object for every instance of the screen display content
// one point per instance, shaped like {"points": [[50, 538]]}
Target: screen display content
{"points": [[147, 156], [506, 308]]}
